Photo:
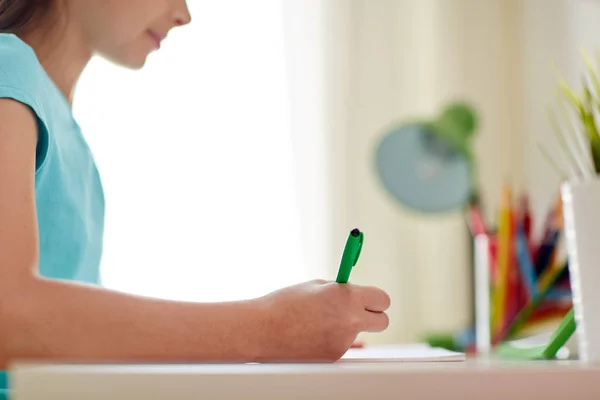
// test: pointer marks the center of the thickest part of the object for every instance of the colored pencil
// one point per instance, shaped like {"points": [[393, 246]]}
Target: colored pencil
{"points": [[502, 269], [525, 212], [476, 220], [514, 281], [544, 284], [526, 264]]}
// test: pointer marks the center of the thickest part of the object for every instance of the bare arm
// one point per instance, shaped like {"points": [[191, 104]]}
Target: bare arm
{"points": [[56, 320], [68, 321], [41, 318]]}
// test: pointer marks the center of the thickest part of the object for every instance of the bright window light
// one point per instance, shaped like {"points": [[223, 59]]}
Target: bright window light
{"points": [[195, 156]]}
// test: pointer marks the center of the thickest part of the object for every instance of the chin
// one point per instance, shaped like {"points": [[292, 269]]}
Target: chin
{"points": [[131, 62], [137, 65], [134, 63]]}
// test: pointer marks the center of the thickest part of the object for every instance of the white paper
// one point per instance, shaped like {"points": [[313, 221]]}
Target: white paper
{"points": [[401, 353], [541, 339]]}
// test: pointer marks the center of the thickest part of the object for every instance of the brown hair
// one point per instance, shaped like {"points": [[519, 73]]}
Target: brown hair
{"points": [[16, 16]]}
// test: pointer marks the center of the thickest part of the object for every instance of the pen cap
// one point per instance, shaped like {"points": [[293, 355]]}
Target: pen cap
{"points": [[361, 238], [581, 212]]}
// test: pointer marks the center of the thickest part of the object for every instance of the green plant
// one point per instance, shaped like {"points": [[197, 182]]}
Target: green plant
{"points": [[578, 132]]}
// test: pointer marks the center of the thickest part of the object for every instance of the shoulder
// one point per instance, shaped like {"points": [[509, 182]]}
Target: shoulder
{"points": [[21, 73], [22, 78], [17, 58]]}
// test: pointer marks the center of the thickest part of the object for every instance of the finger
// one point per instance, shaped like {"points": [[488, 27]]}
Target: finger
{"points": [[375, 321], [374, 299], [358, 344]]}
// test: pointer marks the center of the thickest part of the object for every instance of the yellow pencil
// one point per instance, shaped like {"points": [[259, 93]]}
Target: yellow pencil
{"points": [[503, 259], [548, 277]]}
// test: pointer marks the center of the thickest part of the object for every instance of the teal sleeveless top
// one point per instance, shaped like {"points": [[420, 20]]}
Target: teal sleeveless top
{"points": [[69, 196]]}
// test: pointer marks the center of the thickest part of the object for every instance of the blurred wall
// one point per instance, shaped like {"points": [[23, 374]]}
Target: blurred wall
{"points": [[555, 32], [545, 44], [407, 58], [373, 62]]}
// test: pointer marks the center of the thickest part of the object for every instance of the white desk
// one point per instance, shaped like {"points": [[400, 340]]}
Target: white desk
{"points": [[478, 379]]}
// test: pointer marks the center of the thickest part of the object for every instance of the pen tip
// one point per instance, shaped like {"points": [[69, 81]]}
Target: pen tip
{"points": [[355, 232]]}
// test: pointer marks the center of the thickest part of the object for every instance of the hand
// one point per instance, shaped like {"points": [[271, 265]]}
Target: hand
{"points": [[319, 320]]}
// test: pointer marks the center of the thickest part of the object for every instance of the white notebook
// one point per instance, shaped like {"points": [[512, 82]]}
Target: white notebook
{"points": [[402, 353]]}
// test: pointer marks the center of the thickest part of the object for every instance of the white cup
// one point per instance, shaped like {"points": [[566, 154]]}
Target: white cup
{"points": [[581, 212]]}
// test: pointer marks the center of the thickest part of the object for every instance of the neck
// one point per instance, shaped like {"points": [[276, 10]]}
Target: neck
{"points": [[63, 54]]}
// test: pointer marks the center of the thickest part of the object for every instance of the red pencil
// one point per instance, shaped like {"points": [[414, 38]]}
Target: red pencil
{"points": [[526, 216], [476, 221], [493, 239]]}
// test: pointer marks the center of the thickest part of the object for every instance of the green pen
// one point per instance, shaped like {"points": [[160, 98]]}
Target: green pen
{"points": [[350, 255]]}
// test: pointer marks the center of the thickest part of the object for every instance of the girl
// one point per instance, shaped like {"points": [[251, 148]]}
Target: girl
{"points": [[52, 210]]}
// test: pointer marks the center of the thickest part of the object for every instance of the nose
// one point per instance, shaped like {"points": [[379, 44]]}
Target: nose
{"points": [[181, 14]]}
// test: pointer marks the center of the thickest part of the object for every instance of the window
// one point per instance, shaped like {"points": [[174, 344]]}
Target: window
{"points": [[196, 160]]}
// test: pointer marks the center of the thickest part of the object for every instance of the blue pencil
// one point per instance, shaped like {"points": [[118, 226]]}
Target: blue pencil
{"points": [[526, 264], [558, 295]]}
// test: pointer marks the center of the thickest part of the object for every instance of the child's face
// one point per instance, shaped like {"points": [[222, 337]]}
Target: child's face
{"points": [[126, 31]]}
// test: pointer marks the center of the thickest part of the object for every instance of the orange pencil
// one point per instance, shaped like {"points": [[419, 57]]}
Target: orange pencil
{"points": [[557, 226]]}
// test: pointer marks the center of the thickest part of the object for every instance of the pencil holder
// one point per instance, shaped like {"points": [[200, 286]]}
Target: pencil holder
{"points": [[581, 213]]}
